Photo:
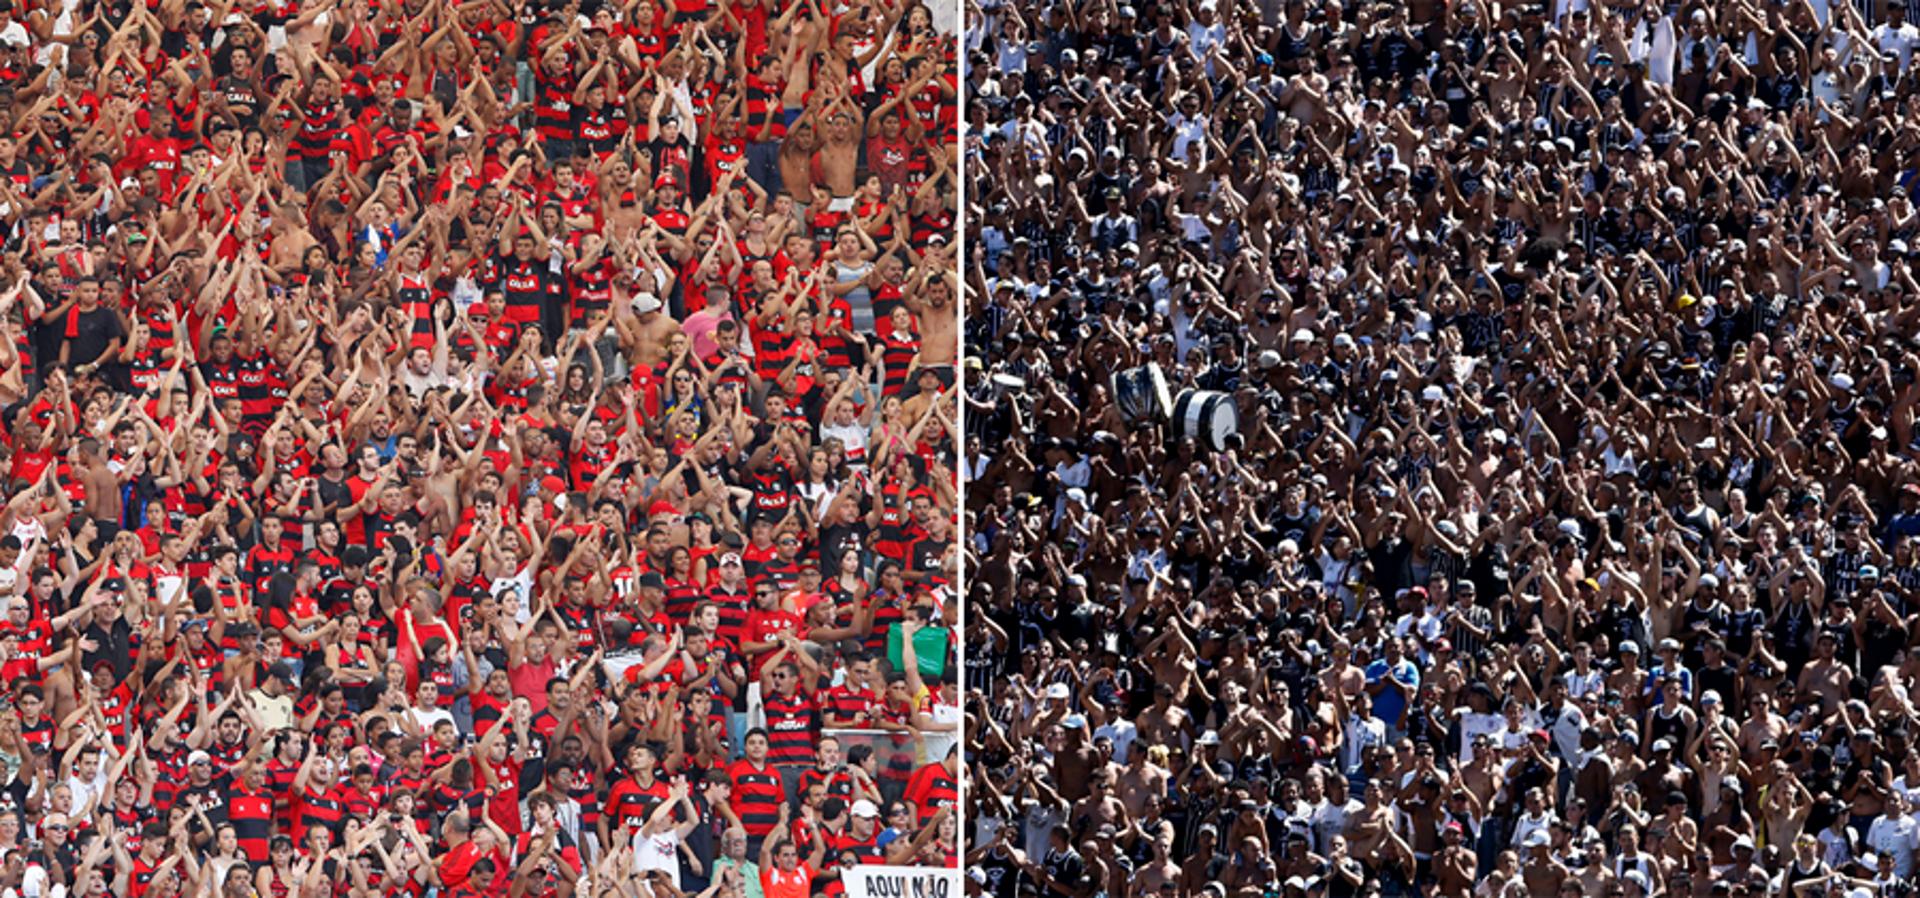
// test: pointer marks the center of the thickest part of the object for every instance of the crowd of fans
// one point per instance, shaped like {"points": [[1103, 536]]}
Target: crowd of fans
{"points": [[1566, 545], [491, 448]]}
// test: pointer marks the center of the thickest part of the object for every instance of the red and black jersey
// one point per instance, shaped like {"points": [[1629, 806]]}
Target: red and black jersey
{"points": [[170, 768], [593, 129], [682, 597], [733, 605], [320, 124], [592, 292], [262, 391], [251, 814], [764, 107], [867, 851], [416, 297], [897, 354], [37, 733], [584, 788], [527, 285], [931, 789], [938, 221], [446, 799], [628, 801], [793, 721], [757, 794], [318, 808], [838, 783], [723, 156], [553, 104], [842, 702], [263, 563], [886, 614]]}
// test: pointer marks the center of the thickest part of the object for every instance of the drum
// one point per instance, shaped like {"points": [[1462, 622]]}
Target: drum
{"points": [[1141, 394], [1005, 384], [1207, 417]]}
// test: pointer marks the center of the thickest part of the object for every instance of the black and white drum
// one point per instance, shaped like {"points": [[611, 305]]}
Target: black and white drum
{"points": [[1141, 394], [1209, 418]]}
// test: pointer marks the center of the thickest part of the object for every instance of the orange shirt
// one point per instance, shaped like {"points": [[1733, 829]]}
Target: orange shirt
{"points": [[798, 884]]}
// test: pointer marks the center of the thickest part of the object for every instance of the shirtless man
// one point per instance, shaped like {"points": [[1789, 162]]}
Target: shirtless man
{"points": [[1165, 723], [1074, 763], [1144, 777], [1102, 806], [1824, 676], [1762, 727], [1484, 777], [1343, 677], [837, 160], [648, 329], [930, 299], [1161, 870], [1371, 829], [1630, 679], [1542, 874], [1453, 867]]}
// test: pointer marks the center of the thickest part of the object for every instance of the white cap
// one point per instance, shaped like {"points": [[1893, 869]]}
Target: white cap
{"points": [[644, 303], [1433, 394], [1343, 339], [198, 757], [1209, 738], [1841, 381], [1537, 838], [1076, 494], [865, 808], [1058, 690], [1303, 334]]}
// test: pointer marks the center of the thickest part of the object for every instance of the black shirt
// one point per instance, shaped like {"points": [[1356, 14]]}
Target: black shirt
{"points": [[91, 333]]}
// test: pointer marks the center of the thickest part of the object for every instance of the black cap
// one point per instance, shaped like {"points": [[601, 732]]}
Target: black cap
{"points": [[652, 580], [243, 628], [281, 671], [354, 556]]}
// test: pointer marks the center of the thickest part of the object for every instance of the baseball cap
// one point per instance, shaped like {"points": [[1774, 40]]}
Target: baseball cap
{"points": [[644, 303], [865, 808], [1058, 691], [198, 757]]}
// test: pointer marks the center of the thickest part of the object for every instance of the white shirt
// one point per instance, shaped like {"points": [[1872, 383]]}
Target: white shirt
{"points": [[1472, 725], [86, 791], [1579, 685], [1189, 132], [1330, 820], [1362, 731], [1528, 825], [853, 437], [1896, 40], [656, 852], [1204, 37], [1896, 836], [1123, 735]]}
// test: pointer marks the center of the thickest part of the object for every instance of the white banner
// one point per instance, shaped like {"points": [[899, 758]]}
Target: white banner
{"points": [[876, 881]]}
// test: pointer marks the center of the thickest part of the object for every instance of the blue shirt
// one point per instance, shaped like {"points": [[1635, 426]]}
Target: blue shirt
{"points": [[1390, 702]]}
